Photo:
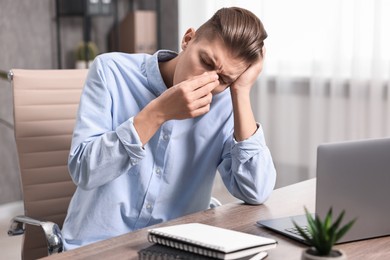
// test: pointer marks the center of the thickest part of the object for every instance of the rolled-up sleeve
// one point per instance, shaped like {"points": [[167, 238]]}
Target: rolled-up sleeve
{"points": [[247, 169]]}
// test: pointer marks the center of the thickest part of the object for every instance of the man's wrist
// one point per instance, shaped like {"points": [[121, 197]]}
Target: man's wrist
{"points": [[240, 95], [148, 121], [240, 90], [154, 113]]}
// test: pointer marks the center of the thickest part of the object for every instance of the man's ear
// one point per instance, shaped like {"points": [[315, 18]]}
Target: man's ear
{"points": [[188, 36]]}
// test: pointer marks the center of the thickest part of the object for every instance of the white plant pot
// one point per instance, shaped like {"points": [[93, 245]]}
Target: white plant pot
{"points": [[82, 64], [335, 255]]}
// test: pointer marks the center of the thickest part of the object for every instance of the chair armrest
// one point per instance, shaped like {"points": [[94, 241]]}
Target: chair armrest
{"points": [[52, 232]]}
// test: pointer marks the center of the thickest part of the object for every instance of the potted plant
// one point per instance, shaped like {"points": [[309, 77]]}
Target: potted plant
{"points": [[83, 49], [321, 235]]}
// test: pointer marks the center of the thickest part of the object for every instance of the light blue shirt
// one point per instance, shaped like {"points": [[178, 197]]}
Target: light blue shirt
{"points": [[122, 186]]}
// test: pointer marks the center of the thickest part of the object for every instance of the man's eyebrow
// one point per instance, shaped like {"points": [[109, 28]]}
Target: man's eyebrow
{"points": [[226, 78]]}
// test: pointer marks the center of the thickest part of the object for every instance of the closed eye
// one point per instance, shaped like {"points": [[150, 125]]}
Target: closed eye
{"points": [[206, 64], [221, 80]]}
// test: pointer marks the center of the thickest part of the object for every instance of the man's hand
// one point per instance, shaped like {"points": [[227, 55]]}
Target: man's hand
{"points": [[247, 79], [188, 99]]}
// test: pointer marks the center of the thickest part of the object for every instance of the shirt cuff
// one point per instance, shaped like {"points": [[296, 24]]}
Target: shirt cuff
{"points": [[248, 148], [131, 141]]}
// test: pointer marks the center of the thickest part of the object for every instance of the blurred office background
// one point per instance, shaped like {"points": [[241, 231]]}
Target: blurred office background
{"points": [[326, 76]]}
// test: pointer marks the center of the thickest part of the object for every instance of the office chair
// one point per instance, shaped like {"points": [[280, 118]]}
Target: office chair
{"points": [[45, 108]]}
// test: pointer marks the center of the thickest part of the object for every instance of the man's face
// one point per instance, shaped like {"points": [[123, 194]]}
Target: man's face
{"points": [[204, 55]]}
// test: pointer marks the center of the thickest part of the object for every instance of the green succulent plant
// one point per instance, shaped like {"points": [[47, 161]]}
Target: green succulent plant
{"points": [[322, 235], [91, 48]]}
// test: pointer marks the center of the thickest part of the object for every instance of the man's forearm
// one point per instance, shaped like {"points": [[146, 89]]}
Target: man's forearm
{"points": [[147, 122], [244, 120]]}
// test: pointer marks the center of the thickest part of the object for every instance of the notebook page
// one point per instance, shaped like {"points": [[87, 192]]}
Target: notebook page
{"points": [[212, 237]]}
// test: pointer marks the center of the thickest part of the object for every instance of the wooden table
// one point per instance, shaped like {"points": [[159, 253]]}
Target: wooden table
{"points": [[283, 202]]}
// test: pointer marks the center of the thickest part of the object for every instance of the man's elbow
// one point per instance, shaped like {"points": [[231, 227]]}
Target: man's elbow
{"points": [[260, 195], [257, 199], [79, 175]]}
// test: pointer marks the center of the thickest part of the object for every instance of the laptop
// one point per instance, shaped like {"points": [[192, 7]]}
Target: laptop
{"points": [[353, 176]]}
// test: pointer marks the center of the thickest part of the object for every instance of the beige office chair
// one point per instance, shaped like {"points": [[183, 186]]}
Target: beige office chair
{"points": [[45, 107]]}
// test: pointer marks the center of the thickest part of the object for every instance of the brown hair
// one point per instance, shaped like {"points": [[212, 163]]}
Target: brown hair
{"points": [[240, 29]]}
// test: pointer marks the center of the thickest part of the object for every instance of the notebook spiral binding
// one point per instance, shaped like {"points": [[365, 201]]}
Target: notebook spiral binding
{"points": [[161, 252], [182, 245]]}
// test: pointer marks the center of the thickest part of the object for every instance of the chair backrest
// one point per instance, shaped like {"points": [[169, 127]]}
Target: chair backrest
{"points": [[45, 108]]}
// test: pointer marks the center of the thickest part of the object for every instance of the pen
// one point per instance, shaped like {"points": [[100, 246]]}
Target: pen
{"points": [[259, 256]]}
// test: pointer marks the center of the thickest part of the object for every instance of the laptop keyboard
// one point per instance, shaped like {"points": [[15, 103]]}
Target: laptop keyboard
{"points": [[296, 232]]}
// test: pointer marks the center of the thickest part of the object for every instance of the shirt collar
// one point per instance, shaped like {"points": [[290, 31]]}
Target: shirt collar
{"points": [[153, 73]]}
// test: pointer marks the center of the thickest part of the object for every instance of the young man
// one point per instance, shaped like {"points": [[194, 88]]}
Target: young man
{"points": [[152, 131]]}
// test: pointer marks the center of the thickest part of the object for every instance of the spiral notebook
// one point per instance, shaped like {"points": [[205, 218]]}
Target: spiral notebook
{"points": [[210, 241]]}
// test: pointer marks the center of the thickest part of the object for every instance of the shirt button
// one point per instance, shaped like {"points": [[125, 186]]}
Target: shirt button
{"points": [[148, 206], [166, 137], [158, 171]]}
